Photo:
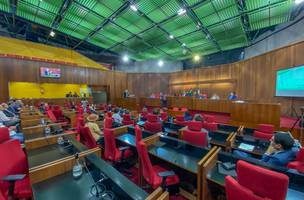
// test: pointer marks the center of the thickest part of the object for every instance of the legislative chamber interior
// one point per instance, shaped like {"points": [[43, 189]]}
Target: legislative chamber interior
{"points": [[151, 99]]}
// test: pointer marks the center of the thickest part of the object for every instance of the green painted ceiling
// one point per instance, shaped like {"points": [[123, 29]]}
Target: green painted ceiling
{"points": [[208, 26]]}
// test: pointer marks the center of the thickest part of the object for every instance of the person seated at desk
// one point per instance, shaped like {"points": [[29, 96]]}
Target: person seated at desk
{"points": [[93, 126], [187, 116], [126, 94], [215, 97], [199, 118], [232, 96], [7, 112], [69, 94], [117, 118], [75, 94], [282, 150], [8, 121]]}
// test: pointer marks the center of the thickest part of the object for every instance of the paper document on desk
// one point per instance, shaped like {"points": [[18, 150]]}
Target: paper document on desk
{"points": [[246, 147]]}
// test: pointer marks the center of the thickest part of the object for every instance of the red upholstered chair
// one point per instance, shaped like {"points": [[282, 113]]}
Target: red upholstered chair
{"points": [[164, 116], [235, 191], [138, 134], [109, 114], [209, 118], [194, 135], [80, 110], [298, 164], [87, 138], [4, 134], [14, 162], [153, 124], [262, 182], [51, 115], [108, 121], [58, 113], [126, 119], [180, 120], [210, 126], [175, 109], [144, 115], [184, 109], [154, 175], [111, 152], [1, 196], [264, 131]]}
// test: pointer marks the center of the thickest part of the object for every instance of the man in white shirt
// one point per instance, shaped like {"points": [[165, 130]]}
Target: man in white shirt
{"points": [[7, 121], [117, 118]]}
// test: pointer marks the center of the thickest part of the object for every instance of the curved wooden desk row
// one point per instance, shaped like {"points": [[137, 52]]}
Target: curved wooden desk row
{"points": [[57, 101], [188, 159], [245, 113], [51, 170]]}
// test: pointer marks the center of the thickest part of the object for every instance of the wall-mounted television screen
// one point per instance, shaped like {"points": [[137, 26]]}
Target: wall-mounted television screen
{"points": [[50, 72], [290, 82]]}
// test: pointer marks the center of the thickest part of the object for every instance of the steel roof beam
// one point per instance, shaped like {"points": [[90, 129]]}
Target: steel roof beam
{"points": [[244, 17], [197, 21], [107, 21], [64, 7]]}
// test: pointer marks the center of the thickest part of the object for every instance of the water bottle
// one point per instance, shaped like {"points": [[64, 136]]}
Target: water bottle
{"points": [[77, 168]]}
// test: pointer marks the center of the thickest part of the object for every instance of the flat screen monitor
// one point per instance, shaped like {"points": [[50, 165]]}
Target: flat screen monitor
{"points": [[50, 72], [290, 82]]}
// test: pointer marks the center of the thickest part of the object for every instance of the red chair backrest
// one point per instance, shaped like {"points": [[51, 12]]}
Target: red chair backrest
{"points": [[138, 134], [300, 155], [89, 140], [262, 182], [184, 109], [195, 126], [153, 127], [209, 118], [180, 118], [164, 116], [109, 114], [51, 115], [110, 145], [108, 122], [79, 124], [266, 128], [126, 119], [152, 118], [212, 126], [80, 110], [147, 168], [175, 109], [198, 138], [4, 134], [234, 191], [262, 135], [13, 159]]}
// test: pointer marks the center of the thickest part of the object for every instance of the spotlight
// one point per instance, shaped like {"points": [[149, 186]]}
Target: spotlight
{"points": [[196, 58], [160, 63], [181, 11], [133, 7], [298, 1], [52, 33], [125, 58], [183, 45], [171, 36]]}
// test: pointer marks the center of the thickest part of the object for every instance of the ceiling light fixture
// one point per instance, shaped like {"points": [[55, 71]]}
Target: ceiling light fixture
{"points": [[133, 7], [125, 58], [298, 1], [183, 45], [196, 58], [171, 36], [181, 11], [52, 33], [160, 63]]}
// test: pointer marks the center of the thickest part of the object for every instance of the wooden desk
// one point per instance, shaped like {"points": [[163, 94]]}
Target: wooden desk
{"points": [[39, 128], [150, 102], [71, 115], [217, 178], [128, 103]]}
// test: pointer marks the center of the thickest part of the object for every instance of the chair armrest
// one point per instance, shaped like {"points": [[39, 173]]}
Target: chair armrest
{"points": [[166, 173], [13, 178], [164, 176], [123, 149]]}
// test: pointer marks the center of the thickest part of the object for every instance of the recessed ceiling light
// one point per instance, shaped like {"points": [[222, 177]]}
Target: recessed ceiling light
{"points": [[133, 7], [298, 1], [171, 36], [183, 45], [181, 11], [196, 58], [160, 63], [52, 33], [125, 58]]}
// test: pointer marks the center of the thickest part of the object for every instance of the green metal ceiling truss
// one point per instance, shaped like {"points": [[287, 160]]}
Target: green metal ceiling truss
{"points": [[209, 26]]}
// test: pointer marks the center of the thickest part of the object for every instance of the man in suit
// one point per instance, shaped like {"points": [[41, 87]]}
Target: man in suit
{"points": [[281, 151]]}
